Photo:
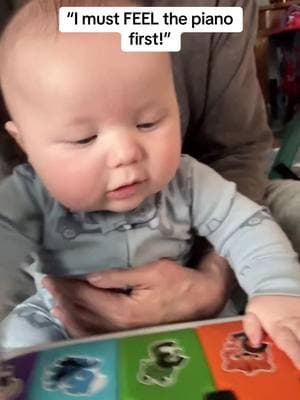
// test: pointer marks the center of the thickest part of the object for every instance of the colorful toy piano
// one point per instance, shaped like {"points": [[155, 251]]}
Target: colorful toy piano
{"points": [[189, 362]]}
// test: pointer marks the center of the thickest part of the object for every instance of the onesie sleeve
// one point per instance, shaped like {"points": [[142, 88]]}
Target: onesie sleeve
{"points": [[244, 233]]}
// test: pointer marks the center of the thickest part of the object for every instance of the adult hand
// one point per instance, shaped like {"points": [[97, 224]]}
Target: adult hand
{"points": [[160, 292]]}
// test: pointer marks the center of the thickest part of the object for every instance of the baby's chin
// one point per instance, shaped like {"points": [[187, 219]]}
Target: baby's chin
{"points": [[123, 206], [118, 206]]}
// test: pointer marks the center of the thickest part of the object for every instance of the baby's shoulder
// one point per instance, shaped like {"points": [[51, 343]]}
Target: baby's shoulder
{"points": [[181, 186], [25, 180], [191, 172], [24, 172], [195, 180]]}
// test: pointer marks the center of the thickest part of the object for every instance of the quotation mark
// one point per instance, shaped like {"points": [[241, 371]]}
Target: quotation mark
{"points": [[72, 14]]}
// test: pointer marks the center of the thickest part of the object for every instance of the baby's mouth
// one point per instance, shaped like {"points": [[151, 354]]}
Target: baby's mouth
{"points": [[124, 191]]}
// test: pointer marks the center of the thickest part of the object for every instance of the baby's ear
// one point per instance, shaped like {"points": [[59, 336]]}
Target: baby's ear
{"points": [[13, 130]]}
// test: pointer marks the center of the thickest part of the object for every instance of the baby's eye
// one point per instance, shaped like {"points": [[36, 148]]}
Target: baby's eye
{"points": [[86, 140], [147, 125]]}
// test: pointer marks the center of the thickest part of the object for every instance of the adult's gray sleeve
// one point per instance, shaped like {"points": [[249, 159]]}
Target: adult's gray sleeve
{"points": [[245, 233], [231, 135], [20, 225]]}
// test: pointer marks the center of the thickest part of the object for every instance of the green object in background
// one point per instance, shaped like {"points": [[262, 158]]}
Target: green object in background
{"points": [[164, 366], [289, 148]]}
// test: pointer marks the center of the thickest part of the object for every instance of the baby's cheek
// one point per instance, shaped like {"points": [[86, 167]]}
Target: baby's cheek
{"points": [[169, 160], [75, 188]]}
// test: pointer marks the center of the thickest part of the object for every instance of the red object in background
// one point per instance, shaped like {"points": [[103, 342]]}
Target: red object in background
{"points": [[290, 64], [292, 19], [288, 76]]}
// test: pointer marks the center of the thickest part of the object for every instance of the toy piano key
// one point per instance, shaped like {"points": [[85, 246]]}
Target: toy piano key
{"points": [[164, 366], [208, 362], [15, 375], [78, 370], [251, 373]]}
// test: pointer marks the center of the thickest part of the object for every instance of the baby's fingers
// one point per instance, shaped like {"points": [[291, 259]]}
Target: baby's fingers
{"points": [[286, 339], [253, 329]]}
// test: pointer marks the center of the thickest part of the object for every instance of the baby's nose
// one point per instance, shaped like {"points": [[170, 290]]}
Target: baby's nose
{"points": [[126, 150]]}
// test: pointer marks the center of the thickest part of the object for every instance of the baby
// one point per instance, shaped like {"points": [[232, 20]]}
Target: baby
{"points": [[105, 184]]}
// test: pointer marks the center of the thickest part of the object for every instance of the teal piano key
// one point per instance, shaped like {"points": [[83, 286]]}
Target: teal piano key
{"points": [[86, 370]]}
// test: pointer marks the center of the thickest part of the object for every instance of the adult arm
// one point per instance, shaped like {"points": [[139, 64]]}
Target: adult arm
{"points": [[227, 127], [20, 232]]}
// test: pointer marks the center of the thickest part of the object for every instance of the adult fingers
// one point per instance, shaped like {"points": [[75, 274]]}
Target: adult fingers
{"points": [[75, 292], [80, 322], [62, 287], [142, 276], [74, 328]]}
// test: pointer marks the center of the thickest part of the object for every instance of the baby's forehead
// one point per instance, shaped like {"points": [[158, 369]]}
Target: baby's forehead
{"points": [[30, 23], [30, 19], [35, 56]]}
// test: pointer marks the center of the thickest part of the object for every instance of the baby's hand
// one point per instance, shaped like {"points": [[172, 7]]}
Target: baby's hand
{"points": [[279, 317]]}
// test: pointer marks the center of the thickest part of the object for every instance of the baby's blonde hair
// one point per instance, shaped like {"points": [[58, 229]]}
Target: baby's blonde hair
{"points": [[39, 19], [32, 15], [30, 12]]}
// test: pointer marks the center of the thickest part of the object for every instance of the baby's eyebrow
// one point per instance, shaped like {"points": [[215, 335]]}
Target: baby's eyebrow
{"points": [[148, 104], [152, 107], [78, 120]]}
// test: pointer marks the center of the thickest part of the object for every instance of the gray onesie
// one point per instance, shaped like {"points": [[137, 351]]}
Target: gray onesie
{"points": [[197, 201]]}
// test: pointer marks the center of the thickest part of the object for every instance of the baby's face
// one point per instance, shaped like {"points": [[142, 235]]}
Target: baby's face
{"points": [[100, 127]]}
